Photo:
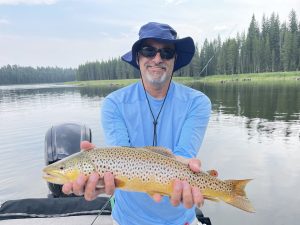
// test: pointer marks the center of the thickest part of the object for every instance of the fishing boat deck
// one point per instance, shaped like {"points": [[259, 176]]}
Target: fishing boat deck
{"points": [[66, 211], [70, 220], [50, 211]]}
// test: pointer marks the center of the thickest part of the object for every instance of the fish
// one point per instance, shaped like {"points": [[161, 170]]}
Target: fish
{"points": [[147, 169]]}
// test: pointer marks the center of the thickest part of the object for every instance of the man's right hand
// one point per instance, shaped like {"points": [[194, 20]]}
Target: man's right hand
{"points": [[89, 186]]}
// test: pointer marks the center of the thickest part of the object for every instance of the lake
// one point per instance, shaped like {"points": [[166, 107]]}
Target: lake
{"points": [[254, 132]]}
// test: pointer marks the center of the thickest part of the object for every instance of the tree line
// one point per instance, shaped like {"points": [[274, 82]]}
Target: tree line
{"points": [[272, 47], [28, 75], [106, 70]]}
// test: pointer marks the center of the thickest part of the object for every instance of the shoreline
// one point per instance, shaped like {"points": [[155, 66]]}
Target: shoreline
{"points": [[213, 79]]}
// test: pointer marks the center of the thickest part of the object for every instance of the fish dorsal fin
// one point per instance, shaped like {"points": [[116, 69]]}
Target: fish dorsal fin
{"points": [[160, 150]]}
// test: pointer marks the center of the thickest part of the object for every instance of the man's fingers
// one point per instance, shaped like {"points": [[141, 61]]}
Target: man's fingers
{"points": [[86, 145], [197, 197], [177, 193], [78, 185], [187, 195], [90, 192], [109, 183], [195, 165], [157, 197], [67, 188]]}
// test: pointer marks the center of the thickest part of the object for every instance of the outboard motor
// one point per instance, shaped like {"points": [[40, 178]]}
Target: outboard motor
{"points": [[61, 141]]}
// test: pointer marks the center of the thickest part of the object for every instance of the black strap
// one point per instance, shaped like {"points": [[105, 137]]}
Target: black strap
{"points": [[155, 120], [52, 207]]}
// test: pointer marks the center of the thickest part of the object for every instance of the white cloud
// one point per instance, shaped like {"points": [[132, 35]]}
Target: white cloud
{"points": [[269, 3], [27, 2], [258, 7], [101, 36], [220, 28], [4, 21], [38, 51], [175, 2]]}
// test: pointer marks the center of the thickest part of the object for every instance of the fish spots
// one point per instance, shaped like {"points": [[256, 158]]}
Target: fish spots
{"points": [[143, 170], [145, 166]]}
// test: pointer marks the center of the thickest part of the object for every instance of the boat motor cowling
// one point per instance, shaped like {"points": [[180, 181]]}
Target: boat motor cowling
{"points": [[61, 141]]}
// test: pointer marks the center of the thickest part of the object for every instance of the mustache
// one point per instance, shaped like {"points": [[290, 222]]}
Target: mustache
{"points": [[159, 65]]}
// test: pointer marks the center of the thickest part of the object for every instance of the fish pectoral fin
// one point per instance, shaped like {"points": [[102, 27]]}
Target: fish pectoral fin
{"points": [[160, 150], [211, 198], [119, 183]]}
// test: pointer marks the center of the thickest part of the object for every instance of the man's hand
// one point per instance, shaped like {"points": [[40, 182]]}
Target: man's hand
{"points": [[182, 190], [89, 186]]}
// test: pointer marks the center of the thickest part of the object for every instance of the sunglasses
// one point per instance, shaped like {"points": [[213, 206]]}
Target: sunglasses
{"points": [[150, 52]]}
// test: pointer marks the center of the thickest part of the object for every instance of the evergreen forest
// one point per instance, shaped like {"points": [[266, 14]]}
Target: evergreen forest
{"points": [[28, 75], [267, 46]]}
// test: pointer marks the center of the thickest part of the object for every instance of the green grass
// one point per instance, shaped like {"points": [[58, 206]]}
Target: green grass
{"points": [[257, 77], [250, 77], [100, 83]]}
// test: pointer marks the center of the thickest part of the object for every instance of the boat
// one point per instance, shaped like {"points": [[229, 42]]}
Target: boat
{"points": [[61, 141]]}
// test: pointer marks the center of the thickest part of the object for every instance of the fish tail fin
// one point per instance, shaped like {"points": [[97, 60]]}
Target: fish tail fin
{"points": [[238, 196]]}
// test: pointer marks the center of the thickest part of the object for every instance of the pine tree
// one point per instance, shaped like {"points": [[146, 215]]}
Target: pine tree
{"points": [[252, 43], [275, 41]]}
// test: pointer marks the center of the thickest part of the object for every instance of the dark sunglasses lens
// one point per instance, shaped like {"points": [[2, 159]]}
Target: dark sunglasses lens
{"points": [[148, 51], [167, 53]]}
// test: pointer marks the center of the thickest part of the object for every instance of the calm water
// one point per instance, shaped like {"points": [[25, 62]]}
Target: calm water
{"points": [[254, 132]]}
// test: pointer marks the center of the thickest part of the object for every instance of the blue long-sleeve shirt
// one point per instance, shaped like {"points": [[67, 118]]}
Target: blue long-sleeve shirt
{"points": [[127, 121]]}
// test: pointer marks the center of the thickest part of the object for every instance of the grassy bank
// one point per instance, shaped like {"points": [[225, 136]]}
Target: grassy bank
{"points": [[253, 77], [99, 83]]}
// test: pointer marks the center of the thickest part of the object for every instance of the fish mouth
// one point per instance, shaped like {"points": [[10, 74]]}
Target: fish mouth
{"points": [[54, 176]]}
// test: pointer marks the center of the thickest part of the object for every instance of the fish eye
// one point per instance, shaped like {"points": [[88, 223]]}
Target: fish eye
{"points": [[61, 167]]}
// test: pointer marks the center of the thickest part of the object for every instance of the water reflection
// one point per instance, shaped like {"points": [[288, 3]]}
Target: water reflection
{"points": [[253, 133], [259, 104], [20, 92], [275, 101], [97, 91], [272, 109]]}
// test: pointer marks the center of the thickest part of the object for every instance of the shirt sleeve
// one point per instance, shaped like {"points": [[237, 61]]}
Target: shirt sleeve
{"points": [[115, 130], [194, 128]]}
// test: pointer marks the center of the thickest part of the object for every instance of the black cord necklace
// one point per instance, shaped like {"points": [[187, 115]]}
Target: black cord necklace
{"points": [[155, 120]]}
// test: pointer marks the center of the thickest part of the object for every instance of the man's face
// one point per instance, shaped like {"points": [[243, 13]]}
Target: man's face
{"points": [[155, 70]]}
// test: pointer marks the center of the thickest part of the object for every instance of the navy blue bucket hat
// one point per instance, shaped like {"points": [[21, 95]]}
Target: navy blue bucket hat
{"points": [[185, 47]]}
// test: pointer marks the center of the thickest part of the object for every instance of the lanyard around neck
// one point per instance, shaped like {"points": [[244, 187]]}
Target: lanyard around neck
{"points": [[155, 120]]}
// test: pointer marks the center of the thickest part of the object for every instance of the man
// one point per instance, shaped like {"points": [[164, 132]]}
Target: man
{"points": [[155, 111]]}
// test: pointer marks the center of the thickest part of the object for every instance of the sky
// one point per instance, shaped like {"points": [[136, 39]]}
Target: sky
{"points": [[68, 33]]}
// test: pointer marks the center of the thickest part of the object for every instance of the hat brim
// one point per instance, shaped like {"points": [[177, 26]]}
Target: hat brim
{"points": [[185, 50]]}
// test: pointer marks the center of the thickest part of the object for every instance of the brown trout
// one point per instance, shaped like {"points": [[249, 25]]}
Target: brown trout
{"points": [[148, 169]]}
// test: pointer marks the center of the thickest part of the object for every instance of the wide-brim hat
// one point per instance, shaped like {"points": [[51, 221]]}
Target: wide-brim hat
{"points": [[185, 47]]}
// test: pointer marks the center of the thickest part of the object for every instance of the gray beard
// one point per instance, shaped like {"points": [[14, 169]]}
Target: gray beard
{"points": [[157, 82]]}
